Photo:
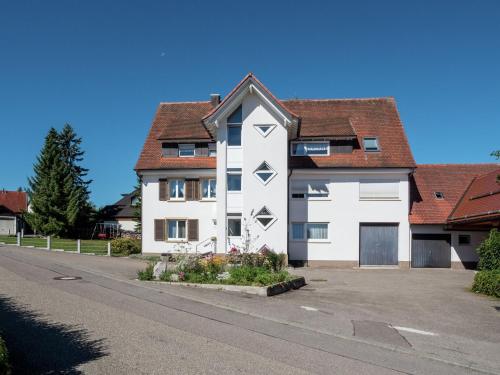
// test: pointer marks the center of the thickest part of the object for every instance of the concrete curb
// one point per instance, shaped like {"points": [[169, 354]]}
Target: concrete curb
{"points": [[265, 291]]}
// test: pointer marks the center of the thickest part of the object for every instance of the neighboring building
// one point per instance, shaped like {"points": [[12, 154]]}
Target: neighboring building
{"points": [[453, 208], [121, 213], [326, 181], [12, 205]]}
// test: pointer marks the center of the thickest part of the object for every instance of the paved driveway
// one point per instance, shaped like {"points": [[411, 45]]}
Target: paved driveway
{"points": [[343, 321]]}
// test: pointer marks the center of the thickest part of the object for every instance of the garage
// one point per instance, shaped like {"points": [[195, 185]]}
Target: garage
{"points": [[378, 244], [431, 250], [7, 225]]}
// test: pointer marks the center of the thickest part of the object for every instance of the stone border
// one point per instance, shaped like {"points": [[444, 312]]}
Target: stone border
{"points": [[266, 291]]}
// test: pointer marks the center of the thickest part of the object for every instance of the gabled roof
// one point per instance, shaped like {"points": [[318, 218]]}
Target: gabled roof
{"points": [[121, 209], [13, 202], [450, 179], [480, 201]]}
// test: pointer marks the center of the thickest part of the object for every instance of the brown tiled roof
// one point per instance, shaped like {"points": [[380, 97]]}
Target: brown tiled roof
{"points": [[13, 202], [480, 201], [368, 117], [175, 121], [328, 118], [450, 179]]}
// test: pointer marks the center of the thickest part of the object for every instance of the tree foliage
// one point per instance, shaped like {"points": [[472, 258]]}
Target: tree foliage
{"points": [[138, 205], [59, 194]]}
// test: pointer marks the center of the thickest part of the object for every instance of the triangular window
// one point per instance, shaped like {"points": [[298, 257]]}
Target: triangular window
{"points": [[264, 129], [264, 173], [236, 117], [265, 218]]}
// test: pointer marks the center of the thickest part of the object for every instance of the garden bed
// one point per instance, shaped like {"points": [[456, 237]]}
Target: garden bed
{"points": [[254, 273]]}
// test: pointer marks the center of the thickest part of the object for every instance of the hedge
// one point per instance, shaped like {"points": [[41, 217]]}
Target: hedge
{"points": [[4, 359], [489, 252], [487, 282]]}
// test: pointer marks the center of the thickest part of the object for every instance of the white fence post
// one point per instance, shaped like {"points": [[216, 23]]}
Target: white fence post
{"points": [[78, 246], [109, 249], [18, 239], [48, 242]]}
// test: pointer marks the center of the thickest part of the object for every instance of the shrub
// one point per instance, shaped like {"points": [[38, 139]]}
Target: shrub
{"points": [[276, 262], [146, 274], [125, 246], [489, 252], [4, 359], [188, 263], [487, 282]]}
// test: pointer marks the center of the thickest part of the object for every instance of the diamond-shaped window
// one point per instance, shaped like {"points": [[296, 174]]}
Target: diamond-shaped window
{"points": [[264, 129], [264, 173], [265, 218]]}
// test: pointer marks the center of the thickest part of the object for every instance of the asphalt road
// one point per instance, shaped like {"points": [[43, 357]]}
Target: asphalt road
{"points": [[107, 323]]}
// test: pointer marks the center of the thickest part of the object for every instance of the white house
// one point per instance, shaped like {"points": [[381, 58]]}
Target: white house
{"points": [[325, 181]]}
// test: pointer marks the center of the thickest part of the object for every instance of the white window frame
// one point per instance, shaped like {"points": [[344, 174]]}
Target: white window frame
{"points": [[310, 142], [267, 216], [306, 193], [236, 171], [177, 198], [176, 239], [371, 150], [209, 197], [271, 170], [234, 217], [304, 238], [187, 146], [259, 130], [212, 148], [398, 198]]}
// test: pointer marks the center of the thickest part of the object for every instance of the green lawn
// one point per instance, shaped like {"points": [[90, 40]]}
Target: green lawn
{"points": [[87, 246]]}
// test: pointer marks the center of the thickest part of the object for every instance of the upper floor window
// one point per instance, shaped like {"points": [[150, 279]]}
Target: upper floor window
{"points": [[264, 173], [379, 190], [234, 122], [212, 150], [234, 179], [186, 150], [371, 144], [208, 188], [176, 189], [264, 129], [316, 189], [310, 148]]}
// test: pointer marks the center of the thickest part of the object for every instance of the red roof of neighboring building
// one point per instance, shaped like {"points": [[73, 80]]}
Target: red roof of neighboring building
{"points": [[481, 200], [14, 202], [450, 179], [328, 118]]}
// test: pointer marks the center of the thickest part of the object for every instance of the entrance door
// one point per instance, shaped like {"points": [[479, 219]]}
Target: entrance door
{"points": [[378, 244], [431, 250]]}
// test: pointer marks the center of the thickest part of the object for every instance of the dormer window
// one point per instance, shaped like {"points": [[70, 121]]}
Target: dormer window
{"points": [[212, 150], [439, 195], [370, 144], [186, 150], [310, 148], [234, 123]]}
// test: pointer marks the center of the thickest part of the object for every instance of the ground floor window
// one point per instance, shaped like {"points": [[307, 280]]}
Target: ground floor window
{"points": [[234, 225], [176, 229], [208, 188], [310, 231]]}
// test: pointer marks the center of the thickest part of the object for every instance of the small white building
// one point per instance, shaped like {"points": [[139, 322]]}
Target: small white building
{"points": [[325, 181], [12, 206]]}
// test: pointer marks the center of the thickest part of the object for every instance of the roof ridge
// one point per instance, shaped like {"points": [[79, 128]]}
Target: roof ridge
{"points": [[381, 98], [457, 164], [187, 102]]}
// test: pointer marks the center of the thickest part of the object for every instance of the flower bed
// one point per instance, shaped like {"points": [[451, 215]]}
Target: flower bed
{"points": [[245, 269]]}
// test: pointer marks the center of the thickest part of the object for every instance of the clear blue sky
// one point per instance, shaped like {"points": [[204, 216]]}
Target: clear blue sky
{"points": [[104, 66]]}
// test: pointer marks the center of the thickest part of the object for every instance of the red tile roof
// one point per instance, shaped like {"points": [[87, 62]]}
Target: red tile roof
{"points": [[337, 117], [450, 179], [480, 201], [377, 117], [14, 202]]}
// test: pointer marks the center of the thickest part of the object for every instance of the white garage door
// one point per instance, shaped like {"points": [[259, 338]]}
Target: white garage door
{"points": [[7, 225]]}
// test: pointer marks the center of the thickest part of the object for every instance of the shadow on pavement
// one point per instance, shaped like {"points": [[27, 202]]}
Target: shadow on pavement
{"points": [[37, 346]]}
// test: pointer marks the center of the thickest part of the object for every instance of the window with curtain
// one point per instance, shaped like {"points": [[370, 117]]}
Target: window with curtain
{"points": [[176, 189], [310, 231], [310, 189], [310, 148], [208, 188], [186, 150], [176, 229], [378, 189]]}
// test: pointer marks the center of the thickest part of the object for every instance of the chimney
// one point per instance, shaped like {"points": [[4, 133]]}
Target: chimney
{"points": [[214, 100]]}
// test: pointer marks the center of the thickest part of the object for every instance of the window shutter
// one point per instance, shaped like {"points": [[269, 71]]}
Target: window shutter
{"points": [[163, 188], [159, 230], [193, 190], [193, 230], [201, 149]]}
